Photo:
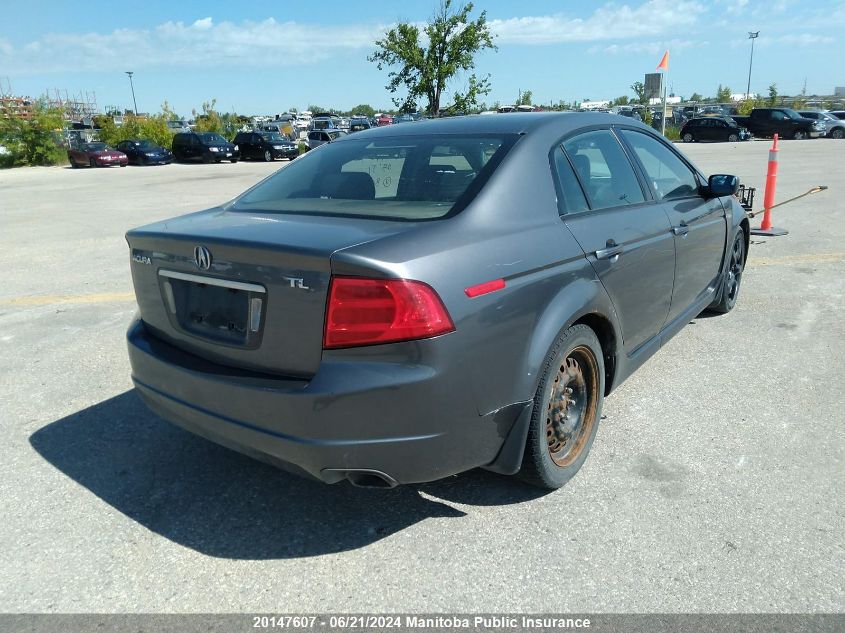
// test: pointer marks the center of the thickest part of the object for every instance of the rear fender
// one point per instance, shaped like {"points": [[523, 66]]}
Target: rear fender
{"points": [[573, 302]]}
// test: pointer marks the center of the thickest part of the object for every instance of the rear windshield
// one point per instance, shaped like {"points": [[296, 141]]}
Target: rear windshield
{"points": [[404, 177]]}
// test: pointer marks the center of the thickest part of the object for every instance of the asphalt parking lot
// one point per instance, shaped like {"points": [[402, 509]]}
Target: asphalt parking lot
{"points": [[715, 483]]}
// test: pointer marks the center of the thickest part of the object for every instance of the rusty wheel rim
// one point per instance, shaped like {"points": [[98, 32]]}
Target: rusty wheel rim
{"points": [[571, 407]]}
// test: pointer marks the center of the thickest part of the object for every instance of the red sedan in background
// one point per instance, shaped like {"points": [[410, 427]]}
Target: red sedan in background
{"points": [[384, 119], [96, 155]]}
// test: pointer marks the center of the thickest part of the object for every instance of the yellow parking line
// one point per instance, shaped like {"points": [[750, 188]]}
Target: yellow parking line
{"points": [[794, 260], [44, 300]]}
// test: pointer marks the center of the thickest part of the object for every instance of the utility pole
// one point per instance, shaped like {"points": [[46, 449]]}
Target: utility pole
{"points": [[752, 35], [132, 86]]}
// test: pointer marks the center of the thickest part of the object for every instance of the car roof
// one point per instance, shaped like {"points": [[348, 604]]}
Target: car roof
{"points": [[509, 123]]}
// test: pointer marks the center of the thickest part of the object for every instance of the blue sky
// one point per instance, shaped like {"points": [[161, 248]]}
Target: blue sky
{"points": [[263, 57]]}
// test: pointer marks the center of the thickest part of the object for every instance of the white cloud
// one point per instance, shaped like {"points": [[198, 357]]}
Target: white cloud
{"points": [[610, 21], [205, 23], [653, 48], [804, 39], [177, 45]]}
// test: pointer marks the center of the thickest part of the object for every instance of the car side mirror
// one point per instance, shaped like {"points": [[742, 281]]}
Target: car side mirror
{"points": [[719, 185]]}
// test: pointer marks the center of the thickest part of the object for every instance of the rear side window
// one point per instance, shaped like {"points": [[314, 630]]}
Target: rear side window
{"points": [[667, 173], [403, 177], [570, 196], [603, 169]]}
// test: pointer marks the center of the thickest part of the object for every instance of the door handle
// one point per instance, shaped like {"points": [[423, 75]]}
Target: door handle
{"points": [[612, 252], [683, 229]]}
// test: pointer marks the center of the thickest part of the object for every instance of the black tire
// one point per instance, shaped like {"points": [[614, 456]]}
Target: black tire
{"points": [[91, 162], [233, 160], [72, 162], [207, 159], [837, 133], [732, 138], [732, 277], [799, 135], [268, 156], [688, 137], [571, 382]]}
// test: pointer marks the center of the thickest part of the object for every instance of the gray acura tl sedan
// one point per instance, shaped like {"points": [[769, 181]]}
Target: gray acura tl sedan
{"points": [[411, 302]]}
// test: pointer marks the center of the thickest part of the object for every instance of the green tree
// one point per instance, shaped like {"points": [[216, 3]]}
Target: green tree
{"points": [[365, 109], [798, 103], [638, 89], [34, 140], [209, 120], [152, 128], [747, 105], [773, 95], [426, 68], [618, 101], [696, 97], [723, 94], [168, 113], [525, 98]]}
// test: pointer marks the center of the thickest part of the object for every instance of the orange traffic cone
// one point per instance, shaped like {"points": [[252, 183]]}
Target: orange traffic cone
{"points": [[766, 227]]}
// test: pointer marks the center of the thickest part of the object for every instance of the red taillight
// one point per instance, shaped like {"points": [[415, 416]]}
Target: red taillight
{"points": [[370, 311]]}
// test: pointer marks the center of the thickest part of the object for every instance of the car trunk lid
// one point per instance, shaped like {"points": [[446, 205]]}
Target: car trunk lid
{"points": [[243, 289]]}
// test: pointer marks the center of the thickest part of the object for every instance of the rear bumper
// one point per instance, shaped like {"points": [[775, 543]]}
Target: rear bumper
{"points": [[412, 422]]}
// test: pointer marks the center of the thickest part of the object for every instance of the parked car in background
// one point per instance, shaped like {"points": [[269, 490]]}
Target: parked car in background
{"points": [[318, 137], [834, 127], [713, 129], [324, 123], [265, 146], [284, 127], [785, 122], [631, 113], [143, 152], [384, 119], [359, 124], [839, 114], [403, 118], [205, 146], [712, 110], [409, 303], [96, 155]]}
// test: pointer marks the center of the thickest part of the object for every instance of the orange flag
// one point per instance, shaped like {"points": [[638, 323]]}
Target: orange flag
{"points": [[664, 63]]}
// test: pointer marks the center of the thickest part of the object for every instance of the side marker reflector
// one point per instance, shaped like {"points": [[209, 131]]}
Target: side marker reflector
{"points": [[485, 288]]}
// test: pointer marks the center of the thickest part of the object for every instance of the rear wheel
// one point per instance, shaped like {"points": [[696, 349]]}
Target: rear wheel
{"points": [[732, 277], [72, 162], [688, 138], [567, 409], [837, 133], [732, 138], [799, 135], [268, 156]]}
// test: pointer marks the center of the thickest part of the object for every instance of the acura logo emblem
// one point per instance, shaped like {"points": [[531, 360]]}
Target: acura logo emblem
{"points": [[202, 257]]}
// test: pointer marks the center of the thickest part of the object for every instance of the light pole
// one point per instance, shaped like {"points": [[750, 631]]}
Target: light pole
{"points": [[752, 35], [131, 85]]}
